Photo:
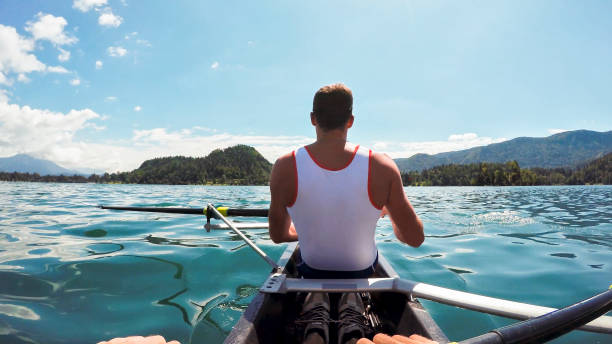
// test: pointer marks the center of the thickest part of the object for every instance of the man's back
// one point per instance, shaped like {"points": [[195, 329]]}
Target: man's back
{"points": [[384, 187], [333, 214]]}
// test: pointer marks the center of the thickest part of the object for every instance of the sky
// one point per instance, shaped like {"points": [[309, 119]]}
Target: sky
{"points": [[107, 84]]}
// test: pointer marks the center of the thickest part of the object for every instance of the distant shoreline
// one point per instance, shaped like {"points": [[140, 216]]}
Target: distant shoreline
{"points": [[411, 186], [224, 171]]}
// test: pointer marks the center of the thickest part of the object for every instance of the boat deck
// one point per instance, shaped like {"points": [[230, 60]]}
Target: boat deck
{"points": [[270, 318]]}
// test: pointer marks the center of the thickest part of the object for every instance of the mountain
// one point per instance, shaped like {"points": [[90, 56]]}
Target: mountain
{"points": [[598, 171], [24, 163], [566, 149], [237, 165]]}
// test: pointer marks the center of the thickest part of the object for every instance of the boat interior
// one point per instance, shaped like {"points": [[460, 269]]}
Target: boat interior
{"points": [[271, 318]]}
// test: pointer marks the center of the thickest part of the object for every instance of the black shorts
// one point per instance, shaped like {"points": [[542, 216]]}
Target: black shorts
{"points": [[309, 272]]}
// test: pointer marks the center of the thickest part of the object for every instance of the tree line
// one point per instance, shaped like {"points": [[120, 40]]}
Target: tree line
{"points": [[237, 165], [598, 171], [243, 165]]}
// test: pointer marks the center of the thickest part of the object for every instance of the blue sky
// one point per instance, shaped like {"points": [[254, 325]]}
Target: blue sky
{"points": [[106, 84]]}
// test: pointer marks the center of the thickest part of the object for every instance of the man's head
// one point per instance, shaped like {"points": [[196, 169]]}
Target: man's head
{"points": [[332, 107]]}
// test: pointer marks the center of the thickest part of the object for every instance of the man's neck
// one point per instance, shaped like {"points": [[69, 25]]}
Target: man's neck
{"points": [[331, 138]]}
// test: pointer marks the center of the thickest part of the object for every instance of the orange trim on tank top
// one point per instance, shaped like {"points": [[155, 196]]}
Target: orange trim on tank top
{"points": [[296, 181], [369, 174], [331, 169]]}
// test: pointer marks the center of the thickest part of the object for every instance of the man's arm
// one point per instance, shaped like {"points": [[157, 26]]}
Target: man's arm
{"points": [[387, 181], [282, 193]]}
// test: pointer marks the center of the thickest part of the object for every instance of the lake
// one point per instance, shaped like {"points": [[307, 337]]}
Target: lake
{"points": [[73, 273]]}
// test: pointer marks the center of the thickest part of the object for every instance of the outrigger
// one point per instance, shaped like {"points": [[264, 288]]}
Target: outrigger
{"points": [[392, 304]]}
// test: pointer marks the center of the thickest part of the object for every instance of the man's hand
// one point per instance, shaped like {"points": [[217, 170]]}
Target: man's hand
{"points": [[140, 340], [384, 212]]}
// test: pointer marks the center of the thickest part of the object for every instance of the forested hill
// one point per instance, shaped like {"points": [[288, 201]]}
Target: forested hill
{"points": [[237, 165], [567, 149], [598, 171]]}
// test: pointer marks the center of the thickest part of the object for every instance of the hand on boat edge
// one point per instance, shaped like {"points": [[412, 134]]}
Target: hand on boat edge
{"points": [[156, 339]]}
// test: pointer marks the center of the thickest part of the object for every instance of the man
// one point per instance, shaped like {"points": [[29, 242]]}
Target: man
{"points": [[315, 182], [330, 194]]}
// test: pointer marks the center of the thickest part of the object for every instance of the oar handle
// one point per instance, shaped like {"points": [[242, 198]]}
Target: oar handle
{"points": [[247, 212]]}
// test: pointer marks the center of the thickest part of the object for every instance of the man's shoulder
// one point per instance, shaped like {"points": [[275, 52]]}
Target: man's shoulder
{"points": [[383, 161], [286, 159], [285, 163]]}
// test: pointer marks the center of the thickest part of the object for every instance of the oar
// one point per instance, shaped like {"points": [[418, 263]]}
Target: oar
{"points": [[225, 211], [263, 255], [549, 326], [280, 283], [211, 212]]}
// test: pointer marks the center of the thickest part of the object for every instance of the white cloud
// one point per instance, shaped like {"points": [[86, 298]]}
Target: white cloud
{"points": [[107, 18], [215, 65], [52, 135], [463, 137], [15, 55], [51, 28], [57, 69], [4, 96], [455, 142], [137, 108], [42, 133], [116, 51], [75, 82], [64, 55], [130, 35], [99, 64], [556, 131], [185, 142], [110, 98], [143, 42], [209, 130], [86, 5], [22, 78]]}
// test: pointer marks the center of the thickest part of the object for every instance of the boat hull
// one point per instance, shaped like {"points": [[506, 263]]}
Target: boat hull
{"points": [[270, 317]]}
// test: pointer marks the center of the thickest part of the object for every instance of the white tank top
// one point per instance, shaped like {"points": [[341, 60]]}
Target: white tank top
{"points": [[333, 214]]}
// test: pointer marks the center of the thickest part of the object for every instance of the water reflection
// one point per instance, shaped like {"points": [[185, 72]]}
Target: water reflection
{"points": [[535, 237], [177, 242], [459, 271], [17, 311], [103, 249], [178, 266], [594, 239], [563, 255], [205, 319], [167, 302]]}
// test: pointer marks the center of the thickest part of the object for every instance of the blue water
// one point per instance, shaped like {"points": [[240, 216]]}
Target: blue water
{"points": [[73, 273]]}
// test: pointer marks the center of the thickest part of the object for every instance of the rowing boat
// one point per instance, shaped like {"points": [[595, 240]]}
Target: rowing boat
{"points": [[270, 317], [390, 303]]}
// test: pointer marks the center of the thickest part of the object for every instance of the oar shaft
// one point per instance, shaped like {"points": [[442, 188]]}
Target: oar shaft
{"points": [[243, 237], [194, 211]]}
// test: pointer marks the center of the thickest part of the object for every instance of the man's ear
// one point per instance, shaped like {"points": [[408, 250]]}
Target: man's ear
{"points": [[313, 119], [349, 123]]}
